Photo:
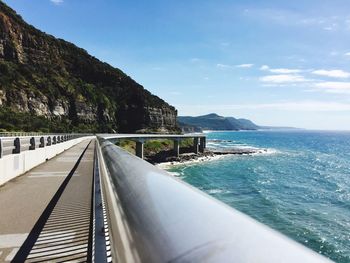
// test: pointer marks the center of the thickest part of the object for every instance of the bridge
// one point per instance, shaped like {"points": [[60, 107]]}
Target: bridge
{"points": [[81, 198]]}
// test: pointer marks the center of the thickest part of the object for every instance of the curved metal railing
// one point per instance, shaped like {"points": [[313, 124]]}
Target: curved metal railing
{"points": [[153, 217]]}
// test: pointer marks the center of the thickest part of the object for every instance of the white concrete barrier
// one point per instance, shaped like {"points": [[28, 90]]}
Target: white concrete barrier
{"points": [[14, 165]]}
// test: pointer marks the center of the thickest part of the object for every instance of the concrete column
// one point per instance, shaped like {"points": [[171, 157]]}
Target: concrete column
{"points": [[139, 149], [177, 147], [195, 144], [202, 143]]}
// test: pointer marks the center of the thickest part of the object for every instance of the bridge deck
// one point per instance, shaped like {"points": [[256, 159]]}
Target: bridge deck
{"points": [[46, 213]]}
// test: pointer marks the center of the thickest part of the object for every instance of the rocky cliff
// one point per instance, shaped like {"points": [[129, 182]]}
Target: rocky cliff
{"points": [[52, 85]]}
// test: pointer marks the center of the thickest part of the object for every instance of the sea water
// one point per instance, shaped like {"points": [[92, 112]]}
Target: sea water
{"points": [[300, 186]]}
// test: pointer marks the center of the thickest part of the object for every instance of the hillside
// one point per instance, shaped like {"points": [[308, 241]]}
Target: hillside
{"points": [[215, 122], [49, 84]]}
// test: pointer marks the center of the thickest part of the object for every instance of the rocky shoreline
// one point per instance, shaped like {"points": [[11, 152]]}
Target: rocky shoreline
{"points": [[187, 156]]}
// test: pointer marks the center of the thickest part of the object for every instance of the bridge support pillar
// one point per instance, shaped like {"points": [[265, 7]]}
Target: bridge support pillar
{"points": [[202, 144], [195, 144], [177, 147], [139, 149]]}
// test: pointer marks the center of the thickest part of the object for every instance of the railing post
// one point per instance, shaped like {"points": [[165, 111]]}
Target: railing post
{"points": [[49, 141], [42, 142], [17, 144], [32, 143]]}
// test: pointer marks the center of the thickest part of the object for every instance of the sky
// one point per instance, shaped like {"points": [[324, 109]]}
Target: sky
{"points": [[279, 63]]}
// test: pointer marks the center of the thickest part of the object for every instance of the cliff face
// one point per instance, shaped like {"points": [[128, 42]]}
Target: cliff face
{"points": [[64, 88]]}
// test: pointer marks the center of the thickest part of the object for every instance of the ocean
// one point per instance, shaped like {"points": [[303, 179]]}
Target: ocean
{"points": [[300, 186]]}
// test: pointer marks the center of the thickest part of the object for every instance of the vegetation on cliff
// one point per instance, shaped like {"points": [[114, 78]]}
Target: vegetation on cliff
{"points": [[49, 84]]}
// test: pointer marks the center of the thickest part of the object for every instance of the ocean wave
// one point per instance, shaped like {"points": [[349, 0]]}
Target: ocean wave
{"points": [[168, 165], [176, 174], [258, 152], [269, 151], [217, 191], [227, 144]]}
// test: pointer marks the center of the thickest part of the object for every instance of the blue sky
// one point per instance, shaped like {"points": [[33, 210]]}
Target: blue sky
{"points": [[284, 63]]}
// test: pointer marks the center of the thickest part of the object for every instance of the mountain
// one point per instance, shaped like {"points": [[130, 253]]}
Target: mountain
{"points": [[187, 128], [215, 122], [49, 84], [242, 124]]}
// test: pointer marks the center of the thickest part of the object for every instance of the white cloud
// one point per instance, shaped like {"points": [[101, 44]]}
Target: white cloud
{"points": [[264, 67], [283, 78], [309, 106], [331, 27], [285, 70], [279, 70], [57, 2], [347, 54], [334, 87], [289, 18], [336, 73], [245, 66], [226, 66], [315, 106], [223, 66]]}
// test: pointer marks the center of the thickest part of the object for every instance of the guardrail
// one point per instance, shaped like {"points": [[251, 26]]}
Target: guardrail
{"points": [[19, 154], [27, 142], [153, 217]]}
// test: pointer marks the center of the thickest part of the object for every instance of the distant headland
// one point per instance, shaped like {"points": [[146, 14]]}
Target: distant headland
{"points": [[216, 122]]}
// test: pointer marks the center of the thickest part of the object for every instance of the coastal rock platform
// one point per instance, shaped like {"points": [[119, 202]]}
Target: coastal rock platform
{"points": [[167, 156]]}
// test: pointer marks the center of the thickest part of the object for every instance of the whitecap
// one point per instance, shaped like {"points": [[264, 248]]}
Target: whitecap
{"points": [[176, 174], [217, 191]]}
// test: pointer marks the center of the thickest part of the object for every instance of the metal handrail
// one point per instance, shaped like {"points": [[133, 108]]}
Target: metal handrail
{"points": [[114, 136], [154, 217]]}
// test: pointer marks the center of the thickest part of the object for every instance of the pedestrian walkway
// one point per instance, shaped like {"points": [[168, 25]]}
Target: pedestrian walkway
{"points": [[46, 213]]}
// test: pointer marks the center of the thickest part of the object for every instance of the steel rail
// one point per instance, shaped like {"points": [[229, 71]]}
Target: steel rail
{"points": [[153, 217]]}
